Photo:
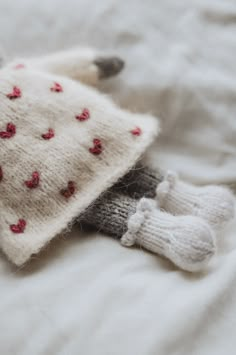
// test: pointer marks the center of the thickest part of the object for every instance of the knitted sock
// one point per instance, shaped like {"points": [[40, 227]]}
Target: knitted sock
{"points": [[140, 182], [213, 203], [110, 213], [186, 240]]}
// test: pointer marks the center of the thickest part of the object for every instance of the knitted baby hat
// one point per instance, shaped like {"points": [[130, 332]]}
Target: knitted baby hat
{"points": [[61, 145]]}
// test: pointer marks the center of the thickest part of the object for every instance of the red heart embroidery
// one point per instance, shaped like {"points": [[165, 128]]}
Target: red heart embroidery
{"points": [[16, 92], [69, 191], [56, 87], [84, 115], [34, 181], [19, 66], [10, 131], [19, 227], [97, 147], [136, 131], [1, 174], [50, 134]]}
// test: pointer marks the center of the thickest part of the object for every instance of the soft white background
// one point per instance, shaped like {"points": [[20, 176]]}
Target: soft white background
{"points": [[86, 294]]}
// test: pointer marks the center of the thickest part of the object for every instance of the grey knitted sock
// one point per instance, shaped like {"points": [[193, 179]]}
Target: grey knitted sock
{"points": [[140, 182], [110, 213]]}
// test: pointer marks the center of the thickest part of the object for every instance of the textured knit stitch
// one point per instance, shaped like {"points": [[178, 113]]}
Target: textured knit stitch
{"points": [[110, 213], [70, 176], [141, 181], [187, 241], [213, 203]]}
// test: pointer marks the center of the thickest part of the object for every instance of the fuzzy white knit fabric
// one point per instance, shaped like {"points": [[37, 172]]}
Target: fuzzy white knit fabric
{"points": [[213, 203], [62, 145], [76, 63], [187, 241]]}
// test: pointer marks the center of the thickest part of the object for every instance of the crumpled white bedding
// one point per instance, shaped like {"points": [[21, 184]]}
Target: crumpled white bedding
{"points": [[86, 294]]}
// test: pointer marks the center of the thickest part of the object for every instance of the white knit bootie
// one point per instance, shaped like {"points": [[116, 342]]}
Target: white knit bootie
{"points": [[187, 241], [213, 203]]}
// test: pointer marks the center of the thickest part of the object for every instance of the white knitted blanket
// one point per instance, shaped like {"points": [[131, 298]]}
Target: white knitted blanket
{"points": [[89, 295]]}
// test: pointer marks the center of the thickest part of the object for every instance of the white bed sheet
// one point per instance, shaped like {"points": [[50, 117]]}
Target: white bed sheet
{"points": [[86, 294]]}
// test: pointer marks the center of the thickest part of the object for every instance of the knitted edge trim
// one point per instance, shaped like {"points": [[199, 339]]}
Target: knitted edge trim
{"points": [[164, 188], [135, 222]]}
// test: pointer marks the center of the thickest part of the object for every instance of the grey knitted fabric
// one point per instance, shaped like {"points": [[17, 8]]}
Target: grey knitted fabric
{"points": [[140, 182], [110, 213]]}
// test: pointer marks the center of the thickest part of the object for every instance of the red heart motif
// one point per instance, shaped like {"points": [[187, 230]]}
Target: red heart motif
{"points": [[34, 181], [85, 115], [19, 227], [10, 131], [136, 131], [16, 92], [50, 134], [1, 174], [56, 87], [97, 147], [19, 66], [69, 191]]}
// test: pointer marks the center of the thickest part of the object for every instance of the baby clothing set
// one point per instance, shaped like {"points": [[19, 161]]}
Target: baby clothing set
{"points": [[67, 153]]}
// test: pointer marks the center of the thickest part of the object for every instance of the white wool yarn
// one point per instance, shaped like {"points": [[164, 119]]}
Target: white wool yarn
{"points": [[187, 241], [62, 145], [213, 203]]}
